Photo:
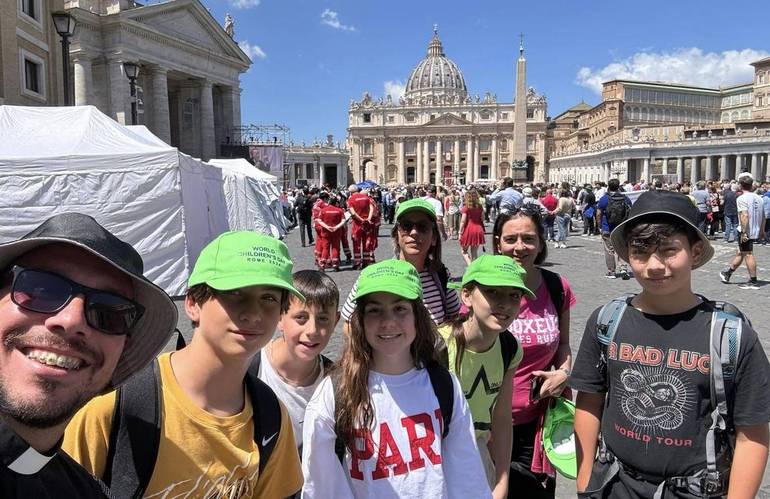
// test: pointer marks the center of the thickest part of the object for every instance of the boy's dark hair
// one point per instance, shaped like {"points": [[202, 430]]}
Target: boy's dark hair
{"points": [[201, 293], [613, 184], [649, 232], [317, 287]]}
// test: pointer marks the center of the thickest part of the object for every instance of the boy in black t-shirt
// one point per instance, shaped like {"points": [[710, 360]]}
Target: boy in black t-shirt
{"points": [[649, 390]]}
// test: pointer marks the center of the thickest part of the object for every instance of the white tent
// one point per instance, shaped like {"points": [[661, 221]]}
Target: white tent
{"points": [[252, 199], [57, 159]]}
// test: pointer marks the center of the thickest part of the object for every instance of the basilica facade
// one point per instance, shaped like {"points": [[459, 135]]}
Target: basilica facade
{"points": [[439, 133]]}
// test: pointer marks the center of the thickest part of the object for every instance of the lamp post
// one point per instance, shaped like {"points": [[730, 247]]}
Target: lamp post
{"points": [[65, 26], [317, 160], [132, 71]]}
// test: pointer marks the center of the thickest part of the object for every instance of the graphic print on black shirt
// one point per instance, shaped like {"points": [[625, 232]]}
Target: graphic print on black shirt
{"points": [[657, 411]]}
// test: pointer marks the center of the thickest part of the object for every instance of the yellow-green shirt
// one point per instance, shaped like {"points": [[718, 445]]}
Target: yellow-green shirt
{"points": [[200, 455], [481, 375]]}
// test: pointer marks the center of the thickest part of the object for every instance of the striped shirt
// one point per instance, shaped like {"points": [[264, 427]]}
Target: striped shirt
{"points": [[431, 297]]}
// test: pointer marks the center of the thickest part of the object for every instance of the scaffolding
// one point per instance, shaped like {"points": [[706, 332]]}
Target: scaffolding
{"points": [[262, 135]]}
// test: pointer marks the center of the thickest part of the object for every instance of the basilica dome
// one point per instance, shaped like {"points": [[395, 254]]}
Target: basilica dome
{"points": [[436, 74]]}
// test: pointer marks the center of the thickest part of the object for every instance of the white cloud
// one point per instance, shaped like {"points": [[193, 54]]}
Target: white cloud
{"points": [[685, 65], [253, 51], [331, 18], [244, 4], [395, 89]]}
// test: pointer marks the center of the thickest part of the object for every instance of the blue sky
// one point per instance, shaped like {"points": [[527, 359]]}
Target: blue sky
{"points": [[312, 56]]}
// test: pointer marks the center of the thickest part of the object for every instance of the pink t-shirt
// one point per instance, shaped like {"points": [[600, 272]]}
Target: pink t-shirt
{"points": [[537, 329]]}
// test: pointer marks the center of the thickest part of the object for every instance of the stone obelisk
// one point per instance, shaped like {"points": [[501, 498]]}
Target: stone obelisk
{"points": [[520, 115]]}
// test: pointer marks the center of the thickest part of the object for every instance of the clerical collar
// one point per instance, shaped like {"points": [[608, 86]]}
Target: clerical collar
{"points": [[18, 456]]}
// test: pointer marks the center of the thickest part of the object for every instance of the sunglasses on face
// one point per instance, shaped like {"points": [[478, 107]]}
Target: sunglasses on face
{"points": [[48, 293], [422, 226]]}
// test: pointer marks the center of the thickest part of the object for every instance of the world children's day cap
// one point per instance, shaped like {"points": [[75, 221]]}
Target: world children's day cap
{"points": [[243, 258], [390, 276], [416, 204], [559, 437], [497, 271]]}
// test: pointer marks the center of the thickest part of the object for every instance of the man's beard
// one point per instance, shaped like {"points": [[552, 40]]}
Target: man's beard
{"points": [[41, 413], [47, 411]]}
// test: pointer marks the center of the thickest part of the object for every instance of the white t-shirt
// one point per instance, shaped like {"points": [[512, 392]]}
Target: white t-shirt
{"points": [[295, 398], [752, 203], [431, 297], [404, 455], [436, 206]]}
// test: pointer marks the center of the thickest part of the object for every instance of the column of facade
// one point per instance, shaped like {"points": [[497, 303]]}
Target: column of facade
{"points": [[626, 169], [476, 157], [161, 124], [607, 171], [418, 161], [711, 168], [724, 170], [439, 161], [119, 92], [695, 170], [468, 161], [739, 162], [494, 163], [664, 167], [456, 161], [646, 169], [208, 146], [83, 80], [756, 168], [401, 168], [680, 170], [426, 161]]}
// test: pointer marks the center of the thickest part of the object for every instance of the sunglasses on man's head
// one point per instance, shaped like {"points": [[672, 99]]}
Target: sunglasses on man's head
{"points": [[421, 226], [48, 293]]}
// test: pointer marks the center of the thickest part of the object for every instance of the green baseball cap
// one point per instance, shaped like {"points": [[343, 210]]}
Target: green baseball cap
{"points": [[391, 276], [559, 437], [243, 258], [416, 204], [495, 270]]}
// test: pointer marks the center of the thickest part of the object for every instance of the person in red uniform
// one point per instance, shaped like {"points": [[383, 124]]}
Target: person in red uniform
{"points": [[332, 220], [319, 205], [360, 207]]}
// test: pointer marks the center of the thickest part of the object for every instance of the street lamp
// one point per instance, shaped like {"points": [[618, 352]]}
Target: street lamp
{"points": [[132, 71], [65, 26]]}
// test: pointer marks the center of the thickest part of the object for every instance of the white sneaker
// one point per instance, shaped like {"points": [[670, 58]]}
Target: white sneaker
{"points": [[749, 285]]}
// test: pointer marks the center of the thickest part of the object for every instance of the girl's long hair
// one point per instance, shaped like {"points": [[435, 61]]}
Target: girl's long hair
{"points": [[353, 401], [458, 332]]}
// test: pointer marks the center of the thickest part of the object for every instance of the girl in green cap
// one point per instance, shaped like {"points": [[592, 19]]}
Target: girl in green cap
{"points": [[390, 422], [484, 357]]}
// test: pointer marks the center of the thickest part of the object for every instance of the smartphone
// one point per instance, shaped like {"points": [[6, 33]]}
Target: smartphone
{"points": [[534, 388]]}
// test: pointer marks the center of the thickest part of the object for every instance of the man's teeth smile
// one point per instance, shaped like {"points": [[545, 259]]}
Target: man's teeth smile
{"points": [[54, 359]]}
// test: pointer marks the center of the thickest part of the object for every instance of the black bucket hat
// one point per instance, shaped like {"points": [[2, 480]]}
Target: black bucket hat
{"points": [[655, 206], [154, 328]]}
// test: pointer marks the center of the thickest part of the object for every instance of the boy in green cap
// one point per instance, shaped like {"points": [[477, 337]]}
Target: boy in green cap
{"points": [[220, 431]]}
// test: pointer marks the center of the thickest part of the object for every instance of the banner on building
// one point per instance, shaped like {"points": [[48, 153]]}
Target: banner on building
{"points": [[268, 159]]}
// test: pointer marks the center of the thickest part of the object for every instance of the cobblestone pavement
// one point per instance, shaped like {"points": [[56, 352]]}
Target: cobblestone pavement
{"points": [[582, 263]]}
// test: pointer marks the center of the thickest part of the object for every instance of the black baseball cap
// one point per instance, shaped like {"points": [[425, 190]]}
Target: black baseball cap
{"points": [[655, 207], [154, 328]]}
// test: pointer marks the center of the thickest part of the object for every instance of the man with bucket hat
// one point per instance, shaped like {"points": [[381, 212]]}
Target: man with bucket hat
{"points": [[677, 384], [77, 319]]}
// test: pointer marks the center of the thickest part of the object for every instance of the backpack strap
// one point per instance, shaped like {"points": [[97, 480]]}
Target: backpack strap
{"points": [[555, 289], [607, 323], [267, 415], [443, 387], [508, 347], [134, 434]]}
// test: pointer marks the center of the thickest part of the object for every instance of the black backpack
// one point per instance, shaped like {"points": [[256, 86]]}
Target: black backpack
{"points": [[443, 387], [136, 428], [508, 347], [617, 209]]}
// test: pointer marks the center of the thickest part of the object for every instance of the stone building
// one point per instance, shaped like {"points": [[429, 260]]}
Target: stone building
{"points": [[711, 133], [30, 53], [439, 133], [189, 69], [317, 164]]}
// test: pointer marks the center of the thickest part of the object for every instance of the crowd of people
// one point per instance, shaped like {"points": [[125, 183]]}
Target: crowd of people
{"points": [[443, 387]]}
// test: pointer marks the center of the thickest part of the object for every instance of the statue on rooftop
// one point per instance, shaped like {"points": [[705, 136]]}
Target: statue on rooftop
{"points": [[229, 25]]}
